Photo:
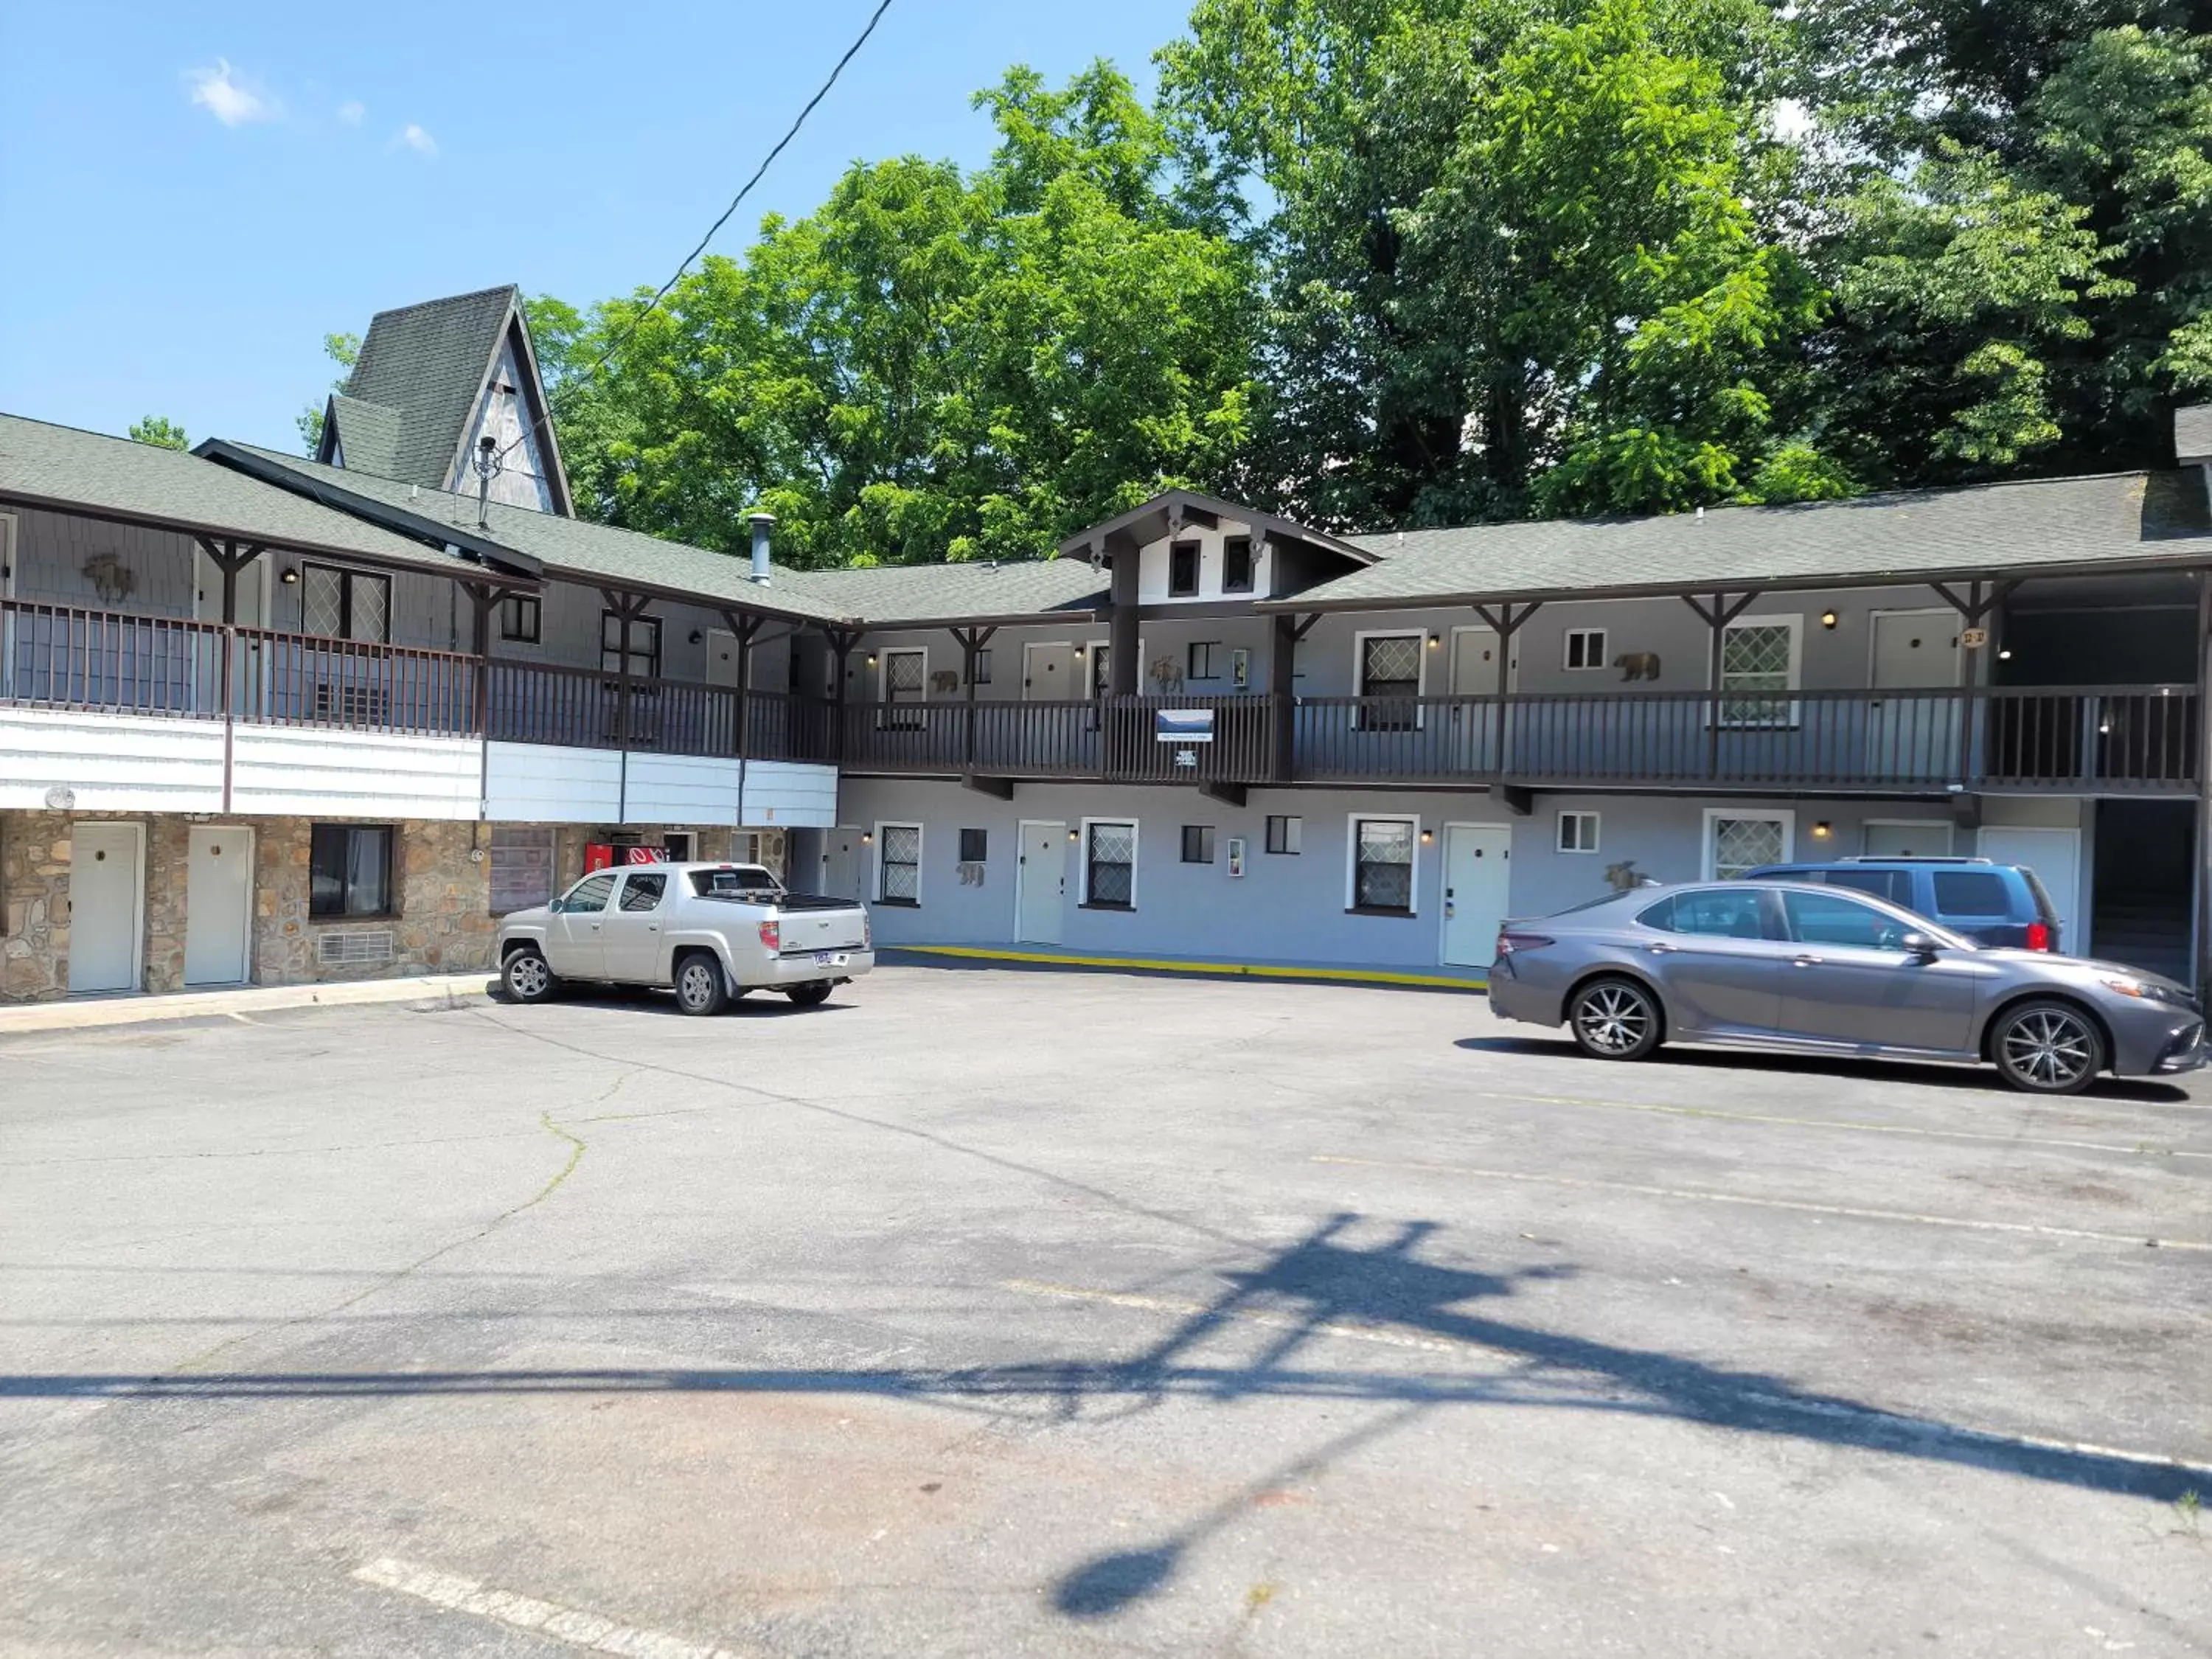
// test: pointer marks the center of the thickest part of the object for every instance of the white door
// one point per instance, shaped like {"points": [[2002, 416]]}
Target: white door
{"points": [[1041, 883], [218, 904], [1050, 674], [105, 891], [1477, 879], [1930, 840], [1914, 737], [2055, 855], [840, 863]]}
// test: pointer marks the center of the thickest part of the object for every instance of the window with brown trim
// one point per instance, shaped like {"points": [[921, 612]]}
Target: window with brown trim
{"points": [[349, 870], [1182, 570], [1237, 564]]}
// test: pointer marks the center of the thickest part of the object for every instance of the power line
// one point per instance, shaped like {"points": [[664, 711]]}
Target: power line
{"points": [[768, 160]]}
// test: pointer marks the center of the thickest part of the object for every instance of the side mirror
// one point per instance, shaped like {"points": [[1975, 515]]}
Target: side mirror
{"points": [[1919, 944]]}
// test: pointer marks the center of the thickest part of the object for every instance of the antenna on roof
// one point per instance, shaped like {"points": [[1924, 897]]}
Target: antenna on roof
{"points": [[487, 463]]}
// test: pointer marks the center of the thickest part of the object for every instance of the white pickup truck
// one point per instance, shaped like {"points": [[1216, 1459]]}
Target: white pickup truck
{"points": [[711, 931]]}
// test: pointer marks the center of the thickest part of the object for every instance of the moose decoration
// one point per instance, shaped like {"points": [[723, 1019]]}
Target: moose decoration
{"points": [[110, 578], [1624, 878], [970, 872], [943, 680], [1637, 665], [1167, 675]]}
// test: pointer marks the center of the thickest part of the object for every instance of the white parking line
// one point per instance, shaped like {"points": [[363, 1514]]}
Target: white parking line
{"points": [[570, 1625], [1694, 1195]]}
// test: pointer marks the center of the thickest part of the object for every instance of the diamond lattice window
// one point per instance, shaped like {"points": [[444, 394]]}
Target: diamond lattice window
{"points": [[901, 862], [1757, 657], [1113, 862], [1741, 844], [1382, 872]]}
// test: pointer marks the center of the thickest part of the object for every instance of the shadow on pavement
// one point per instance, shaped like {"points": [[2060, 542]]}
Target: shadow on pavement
{"points": [[1315, 1288], [1929, 1075]]}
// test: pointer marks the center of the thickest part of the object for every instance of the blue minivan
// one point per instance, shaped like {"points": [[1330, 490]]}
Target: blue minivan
{"points": [[1990, 903]]}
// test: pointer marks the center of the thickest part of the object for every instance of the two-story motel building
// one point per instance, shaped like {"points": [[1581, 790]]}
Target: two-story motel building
{"points": [[266, 719]]}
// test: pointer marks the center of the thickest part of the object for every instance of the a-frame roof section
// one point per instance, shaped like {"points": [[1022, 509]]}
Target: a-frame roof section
{"points": [[430, 365], [1175, 509]]}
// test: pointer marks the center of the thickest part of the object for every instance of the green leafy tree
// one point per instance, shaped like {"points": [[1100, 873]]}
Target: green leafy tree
{"points": [[933, 364], [1516, 253], [160, 432], [2058, 155], [344, 350]]}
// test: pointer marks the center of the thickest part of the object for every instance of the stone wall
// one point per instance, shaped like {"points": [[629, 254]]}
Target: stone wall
{"points": [[444, 925], [34, 867]]}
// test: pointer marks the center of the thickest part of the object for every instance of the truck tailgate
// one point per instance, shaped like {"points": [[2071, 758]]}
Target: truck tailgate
{"points": [[831, 925]]}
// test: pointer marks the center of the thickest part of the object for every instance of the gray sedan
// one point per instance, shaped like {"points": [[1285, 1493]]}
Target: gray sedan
{"points": [[1823, 971]]}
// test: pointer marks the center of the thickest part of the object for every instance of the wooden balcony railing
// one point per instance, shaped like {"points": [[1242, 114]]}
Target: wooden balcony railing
{"points": [[2060, 739]]}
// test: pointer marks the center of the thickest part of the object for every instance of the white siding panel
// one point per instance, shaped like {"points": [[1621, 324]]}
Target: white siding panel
{"points": [[544, 783], [354, 773], [790, 795], [681, 789], [110, 763]]}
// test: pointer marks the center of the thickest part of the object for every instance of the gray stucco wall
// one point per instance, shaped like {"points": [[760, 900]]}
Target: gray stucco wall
{"points": [[1292, 909]]}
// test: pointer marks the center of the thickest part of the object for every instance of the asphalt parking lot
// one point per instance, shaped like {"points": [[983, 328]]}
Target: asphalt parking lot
{"points": [[994, 1313]]}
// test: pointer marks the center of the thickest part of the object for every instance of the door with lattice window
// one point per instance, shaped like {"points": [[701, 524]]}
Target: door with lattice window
{"points": [[1390, 682]]}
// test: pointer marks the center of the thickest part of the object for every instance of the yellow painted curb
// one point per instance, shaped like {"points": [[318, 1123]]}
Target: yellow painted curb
{"points": [[193, 1005], [1172, 965]]}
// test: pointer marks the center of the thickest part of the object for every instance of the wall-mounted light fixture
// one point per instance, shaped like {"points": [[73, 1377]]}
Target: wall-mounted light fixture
{"points": [[290, 576], [1074, 835], [867, 838], [872, 659], [1822, 831], [1428, 836], [696, 636], [1827, 619], [1433, 641], [2004, 656], [1079, 654]]}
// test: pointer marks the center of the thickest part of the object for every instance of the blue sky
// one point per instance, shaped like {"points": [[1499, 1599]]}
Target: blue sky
{"points": [[196, 194]]}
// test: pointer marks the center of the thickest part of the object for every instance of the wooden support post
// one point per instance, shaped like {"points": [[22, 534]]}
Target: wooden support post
{"points": [[1505, 621], [745, 627], [1282, 689], [841, 641], [1974, 607], [627, 608], [971, 642], [1123, 645], [1716, 616]]}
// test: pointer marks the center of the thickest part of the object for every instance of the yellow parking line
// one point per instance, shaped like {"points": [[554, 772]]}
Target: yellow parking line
{"points": [[1177, 965]]}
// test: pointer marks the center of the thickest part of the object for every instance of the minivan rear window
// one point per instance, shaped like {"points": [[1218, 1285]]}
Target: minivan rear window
{"points": [[1972, 893]]}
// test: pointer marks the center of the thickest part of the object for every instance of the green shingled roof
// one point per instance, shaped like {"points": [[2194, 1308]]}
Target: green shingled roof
{"points": [[367, 434], [2008, 528], [580, 549], [68, 469], [426, 363], [936, 592]]}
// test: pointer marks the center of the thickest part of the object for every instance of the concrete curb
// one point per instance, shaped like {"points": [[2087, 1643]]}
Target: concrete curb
{"points": [[1200, 966], [455, 989]]}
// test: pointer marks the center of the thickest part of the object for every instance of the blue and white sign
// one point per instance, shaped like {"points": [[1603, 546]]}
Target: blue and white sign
{"points": [[1182, 725]]}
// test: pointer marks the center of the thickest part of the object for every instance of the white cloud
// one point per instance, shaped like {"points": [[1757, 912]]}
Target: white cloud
{"points": [[413, 137], [1791, 117], [351, 114], [229, 97]]}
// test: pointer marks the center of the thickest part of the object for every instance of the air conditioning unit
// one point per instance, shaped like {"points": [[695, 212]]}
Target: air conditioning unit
{"points": [[355, 948]]}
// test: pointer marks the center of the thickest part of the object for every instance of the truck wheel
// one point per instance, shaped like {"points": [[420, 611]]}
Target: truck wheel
{"points": [[526, 977], [700, 988], [809, 996]]}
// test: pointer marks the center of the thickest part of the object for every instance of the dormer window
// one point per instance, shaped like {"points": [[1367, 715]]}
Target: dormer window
{"points": [[1182, 570], [1237, 564]]}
